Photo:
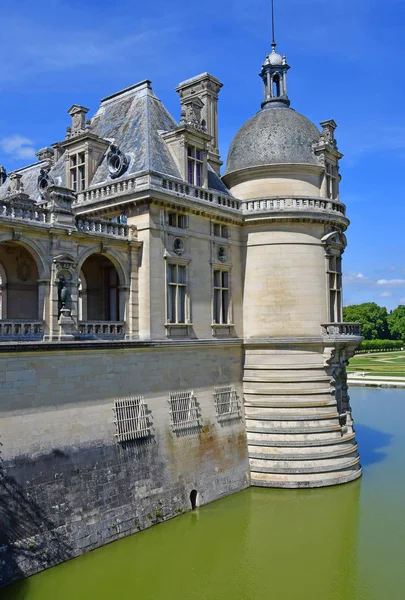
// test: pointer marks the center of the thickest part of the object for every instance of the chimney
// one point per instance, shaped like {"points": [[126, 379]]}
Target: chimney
{"points": [[205, 87]]}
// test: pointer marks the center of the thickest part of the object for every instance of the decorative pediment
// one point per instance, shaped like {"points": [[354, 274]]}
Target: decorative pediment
{"points": [[334, 239]]}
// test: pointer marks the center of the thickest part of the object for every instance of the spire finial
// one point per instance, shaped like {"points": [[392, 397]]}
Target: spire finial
{"points": [[273, 43]]}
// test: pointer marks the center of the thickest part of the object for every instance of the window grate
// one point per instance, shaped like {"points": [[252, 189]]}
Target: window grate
{"points": [[183, 410], [226, 402], [131, 418]]}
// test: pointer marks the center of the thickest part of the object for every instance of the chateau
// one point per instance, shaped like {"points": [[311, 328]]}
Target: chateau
{"points": [[168, 336]]}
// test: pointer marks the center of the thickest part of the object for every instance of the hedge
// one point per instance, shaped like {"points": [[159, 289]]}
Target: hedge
{"points": [[380, 346]]}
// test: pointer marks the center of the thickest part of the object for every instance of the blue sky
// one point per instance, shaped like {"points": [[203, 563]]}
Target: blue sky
{"points": [[347, 64]]}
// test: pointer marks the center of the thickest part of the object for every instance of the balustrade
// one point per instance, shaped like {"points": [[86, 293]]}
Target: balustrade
{"points": [[104, 227], [339, 329], [24, 212], [293, 204], [107, 190], [200, 193], [101, 329], [20, 330]]}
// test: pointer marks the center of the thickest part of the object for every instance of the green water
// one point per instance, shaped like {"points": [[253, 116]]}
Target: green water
{"points": [[339, 543]]}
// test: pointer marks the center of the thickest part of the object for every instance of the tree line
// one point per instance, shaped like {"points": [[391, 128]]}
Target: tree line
{"points": [[376, 322]]}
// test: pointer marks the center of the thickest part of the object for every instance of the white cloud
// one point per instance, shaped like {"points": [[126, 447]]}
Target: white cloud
{"points": [[391, 282], [18, 146], [386, 295], [360, 276]]}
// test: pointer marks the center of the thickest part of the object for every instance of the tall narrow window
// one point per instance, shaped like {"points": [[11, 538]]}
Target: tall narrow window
{"points": [[176, 293], [77, 172], [332, 188], [221, 297], [276, 86], [194, 166], [335, 288]]}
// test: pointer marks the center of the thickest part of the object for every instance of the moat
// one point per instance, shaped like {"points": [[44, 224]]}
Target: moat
{"points": [[338, 543]]}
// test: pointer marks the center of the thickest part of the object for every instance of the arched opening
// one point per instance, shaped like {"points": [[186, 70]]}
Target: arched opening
{"points": [[18, 283], [194, 499], [276, 86], [99, 296]]}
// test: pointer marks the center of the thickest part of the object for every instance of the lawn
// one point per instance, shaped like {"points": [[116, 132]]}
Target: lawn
{"points": [[384, 364]]}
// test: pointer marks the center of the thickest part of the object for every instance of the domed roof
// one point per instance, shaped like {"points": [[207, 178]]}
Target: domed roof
{"points": [[274, 135], [274, 58]]}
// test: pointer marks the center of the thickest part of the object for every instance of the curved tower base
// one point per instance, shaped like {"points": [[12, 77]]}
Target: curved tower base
{"points": [[298, 419]]}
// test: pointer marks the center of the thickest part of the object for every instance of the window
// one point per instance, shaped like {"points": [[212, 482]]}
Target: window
{"points": [[131, 420], [177, 220], [220, 230], [77, 172], [176, 293], [183, 410], [331, 181], [335, 288], [226, 402], [194, 166], [221, 297]]}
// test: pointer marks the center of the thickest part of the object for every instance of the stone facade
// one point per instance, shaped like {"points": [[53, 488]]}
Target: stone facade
{"points": [[168, 337]]}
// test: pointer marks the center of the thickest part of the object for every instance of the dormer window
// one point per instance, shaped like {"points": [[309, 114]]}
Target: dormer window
{"points": [[194, 166], [77, 172]]}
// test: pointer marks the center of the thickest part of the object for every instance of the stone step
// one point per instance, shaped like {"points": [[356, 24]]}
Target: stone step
{"points": [[272, 453], [296, 442], [291, 405], [299, 429], [285, 379], [264, 415], [284, 367], [315, 466], [292, 425], [298, 387], [291, 412], [310, 480], [285, 392]]}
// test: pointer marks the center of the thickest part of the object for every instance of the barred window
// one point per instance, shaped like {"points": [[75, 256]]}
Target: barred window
{"points": [[183, 410], [131, 420], [226, 402], [221, 297], [335, 288]]}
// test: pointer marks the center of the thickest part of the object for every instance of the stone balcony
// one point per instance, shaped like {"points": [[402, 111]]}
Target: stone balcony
{"points": [[101, 330], [24, 212], [154, 182], [335, 330], [104, 228], [21, 330], [294, 206]]}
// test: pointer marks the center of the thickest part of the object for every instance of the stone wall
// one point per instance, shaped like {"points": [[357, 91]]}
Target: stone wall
{"points": [[67, 485]]}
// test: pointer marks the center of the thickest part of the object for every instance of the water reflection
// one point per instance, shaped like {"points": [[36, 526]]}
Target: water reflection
{"points": [[372, 444]]}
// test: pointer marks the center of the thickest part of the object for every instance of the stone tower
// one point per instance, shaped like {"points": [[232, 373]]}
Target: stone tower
{"points": [[285, 171]]}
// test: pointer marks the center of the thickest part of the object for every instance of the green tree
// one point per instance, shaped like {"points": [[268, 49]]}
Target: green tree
{"points": [[373, 319], [396, 323]]}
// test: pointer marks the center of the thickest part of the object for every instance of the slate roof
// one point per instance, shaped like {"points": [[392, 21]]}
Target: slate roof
{"points": [[275, 135], [133, 119], [29, 180]]}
